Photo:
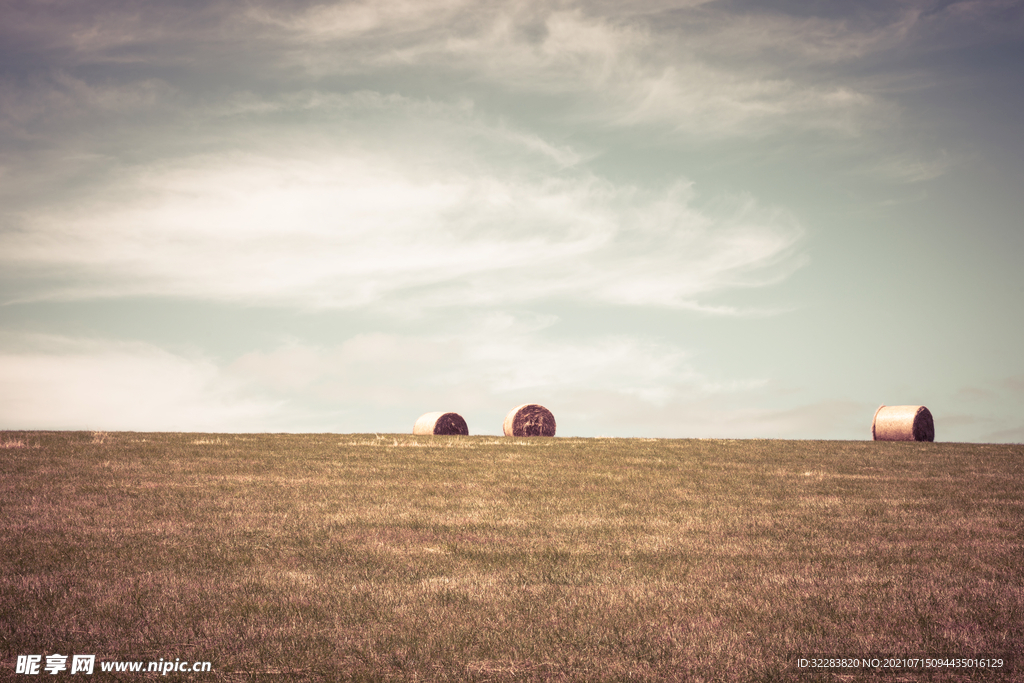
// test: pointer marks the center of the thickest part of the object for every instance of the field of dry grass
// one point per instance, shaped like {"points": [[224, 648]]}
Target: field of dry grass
{"points": [[392, 557]]}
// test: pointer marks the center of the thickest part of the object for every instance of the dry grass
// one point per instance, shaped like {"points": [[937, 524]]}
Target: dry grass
{"points": [[384, 557]]}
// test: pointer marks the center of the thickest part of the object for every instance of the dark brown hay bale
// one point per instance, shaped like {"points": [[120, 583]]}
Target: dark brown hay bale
{"points": [[444, 424], [902, 423], [529, 419]]}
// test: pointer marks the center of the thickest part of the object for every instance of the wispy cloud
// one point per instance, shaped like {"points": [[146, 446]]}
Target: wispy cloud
{"points": [[372, 380], [343, 231], [500, 355], [484, 367], [49, 382], [911, 169], [617, 71], [59, 98], [697, 70]]}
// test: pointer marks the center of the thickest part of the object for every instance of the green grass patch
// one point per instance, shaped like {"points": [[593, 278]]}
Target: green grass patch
{"points": [[392, 557]]}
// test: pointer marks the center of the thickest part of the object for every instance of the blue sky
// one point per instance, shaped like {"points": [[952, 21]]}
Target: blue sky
{"points": [[665, 219]]}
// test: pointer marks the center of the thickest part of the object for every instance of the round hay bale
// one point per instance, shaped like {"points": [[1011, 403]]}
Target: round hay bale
{"points": [[529, 419], [444, 424], [902, 423]]}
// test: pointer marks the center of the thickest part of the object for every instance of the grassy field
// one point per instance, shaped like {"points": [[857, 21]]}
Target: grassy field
{"points": [[392, 557]]}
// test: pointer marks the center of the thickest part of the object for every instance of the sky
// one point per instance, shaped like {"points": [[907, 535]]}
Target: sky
{"points": [[700, 218]]}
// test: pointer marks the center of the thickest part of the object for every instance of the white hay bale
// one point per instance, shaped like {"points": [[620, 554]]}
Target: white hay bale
{"points": [[444, 424], [529, 419], [902, 423]]}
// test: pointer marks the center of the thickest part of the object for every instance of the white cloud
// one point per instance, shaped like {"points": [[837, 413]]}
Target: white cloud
{"points": [[61, 383], [616, 385], [619, 70], [912, 169], [508, 354], [601, 384], [353, 19], [773, 39], [59, 100], [696, 67], [345, 231], [498, 355], [371, 382]]}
